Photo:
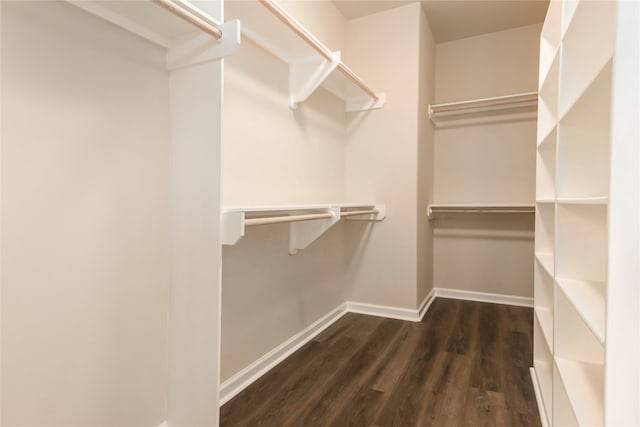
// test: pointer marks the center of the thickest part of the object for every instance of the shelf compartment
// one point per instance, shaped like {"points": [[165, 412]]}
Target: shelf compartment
{"points": [[545, 229], [584, 385], [546, 167], [581, 249], [589, 300], [583, 149], [546, 261], [581, 65], [573, 339], [543, 289], [545, 321], [306, 222], [550, 38], [548, 102], [311, 63], [543, 365], [563, 414]]}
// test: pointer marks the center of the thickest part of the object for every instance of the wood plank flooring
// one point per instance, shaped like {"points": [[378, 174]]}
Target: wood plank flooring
{"points": [[465, 364]]}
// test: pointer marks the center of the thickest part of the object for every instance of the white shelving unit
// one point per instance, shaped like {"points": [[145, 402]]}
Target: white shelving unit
{"points": [[580, 267], [306, 222], [311, 63]]}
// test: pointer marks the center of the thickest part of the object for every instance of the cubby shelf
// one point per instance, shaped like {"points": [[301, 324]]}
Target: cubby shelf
{"points": [[546, 260], [543, 368], [545, 319], [311, 63], [581, 65], [584, 385], [588, 299]]}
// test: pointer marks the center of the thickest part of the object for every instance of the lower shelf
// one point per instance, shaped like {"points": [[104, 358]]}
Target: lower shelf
{"points": [[584, 384]]}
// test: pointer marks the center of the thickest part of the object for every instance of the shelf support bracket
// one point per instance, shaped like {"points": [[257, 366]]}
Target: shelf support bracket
{"points": [[203, 48], [306, 76], [379, 216], [302, 234], [365, 103], [232, 227]]}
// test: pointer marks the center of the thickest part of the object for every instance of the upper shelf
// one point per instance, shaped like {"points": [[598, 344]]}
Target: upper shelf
{"points": [[311, 63], [521, 100], [190, 35]]}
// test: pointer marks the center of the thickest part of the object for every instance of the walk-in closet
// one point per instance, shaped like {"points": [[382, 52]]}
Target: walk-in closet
{"points": [[319, 212]]}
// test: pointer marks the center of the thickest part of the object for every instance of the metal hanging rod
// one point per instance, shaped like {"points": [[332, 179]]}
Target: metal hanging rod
{"points": [[283, 16], [191, 15], [361, 212], [286, 218], [484, 104]]}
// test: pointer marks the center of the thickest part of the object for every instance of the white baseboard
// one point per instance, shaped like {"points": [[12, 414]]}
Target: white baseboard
{"points": [[251, 373], [536, 389], [412, 315], [483, 297]]}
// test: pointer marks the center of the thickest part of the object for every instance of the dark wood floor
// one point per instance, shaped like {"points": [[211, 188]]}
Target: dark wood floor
{"points": [[465, 364]]}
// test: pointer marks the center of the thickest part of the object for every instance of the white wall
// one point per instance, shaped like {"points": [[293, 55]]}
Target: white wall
{"points": [[382, 157], [85, 221], [275, 155], [492, 162]]}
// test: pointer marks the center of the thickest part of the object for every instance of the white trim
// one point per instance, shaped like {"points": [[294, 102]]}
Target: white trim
{"points": [[483, 297], [542, 412], [251, 373], [383, 311], [425, 304]]}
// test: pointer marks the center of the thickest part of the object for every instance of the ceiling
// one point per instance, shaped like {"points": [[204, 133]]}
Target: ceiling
{"points": [[457, 19]]}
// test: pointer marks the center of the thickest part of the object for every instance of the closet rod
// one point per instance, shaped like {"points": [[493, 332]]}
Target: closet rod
{"points": [[286, 218], [500, 101], [362, 212], [191, 15], [283, 16]]}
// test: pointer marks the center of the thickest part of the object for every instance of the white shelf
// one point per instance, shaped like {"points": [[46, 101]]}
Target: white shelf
{"points": [[573, 339], [581, 241], [543, 365], [306, 222], [585, 51], [545, 229], [545, 319], [483, 105], [563, 415], [596, 200], [546, 261], [546, 167], [583, 151], [588, 299], [308, 67], [584, 384], [550, 38], [548, 103], [186, 44], [461, 208]]}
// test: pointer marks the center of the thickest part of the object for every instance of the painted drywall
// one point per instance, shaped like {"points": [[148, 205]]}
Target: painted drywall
{"points": [[382, 151], [85, 221], [426, 141], [278, 156], [493, 162]]}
